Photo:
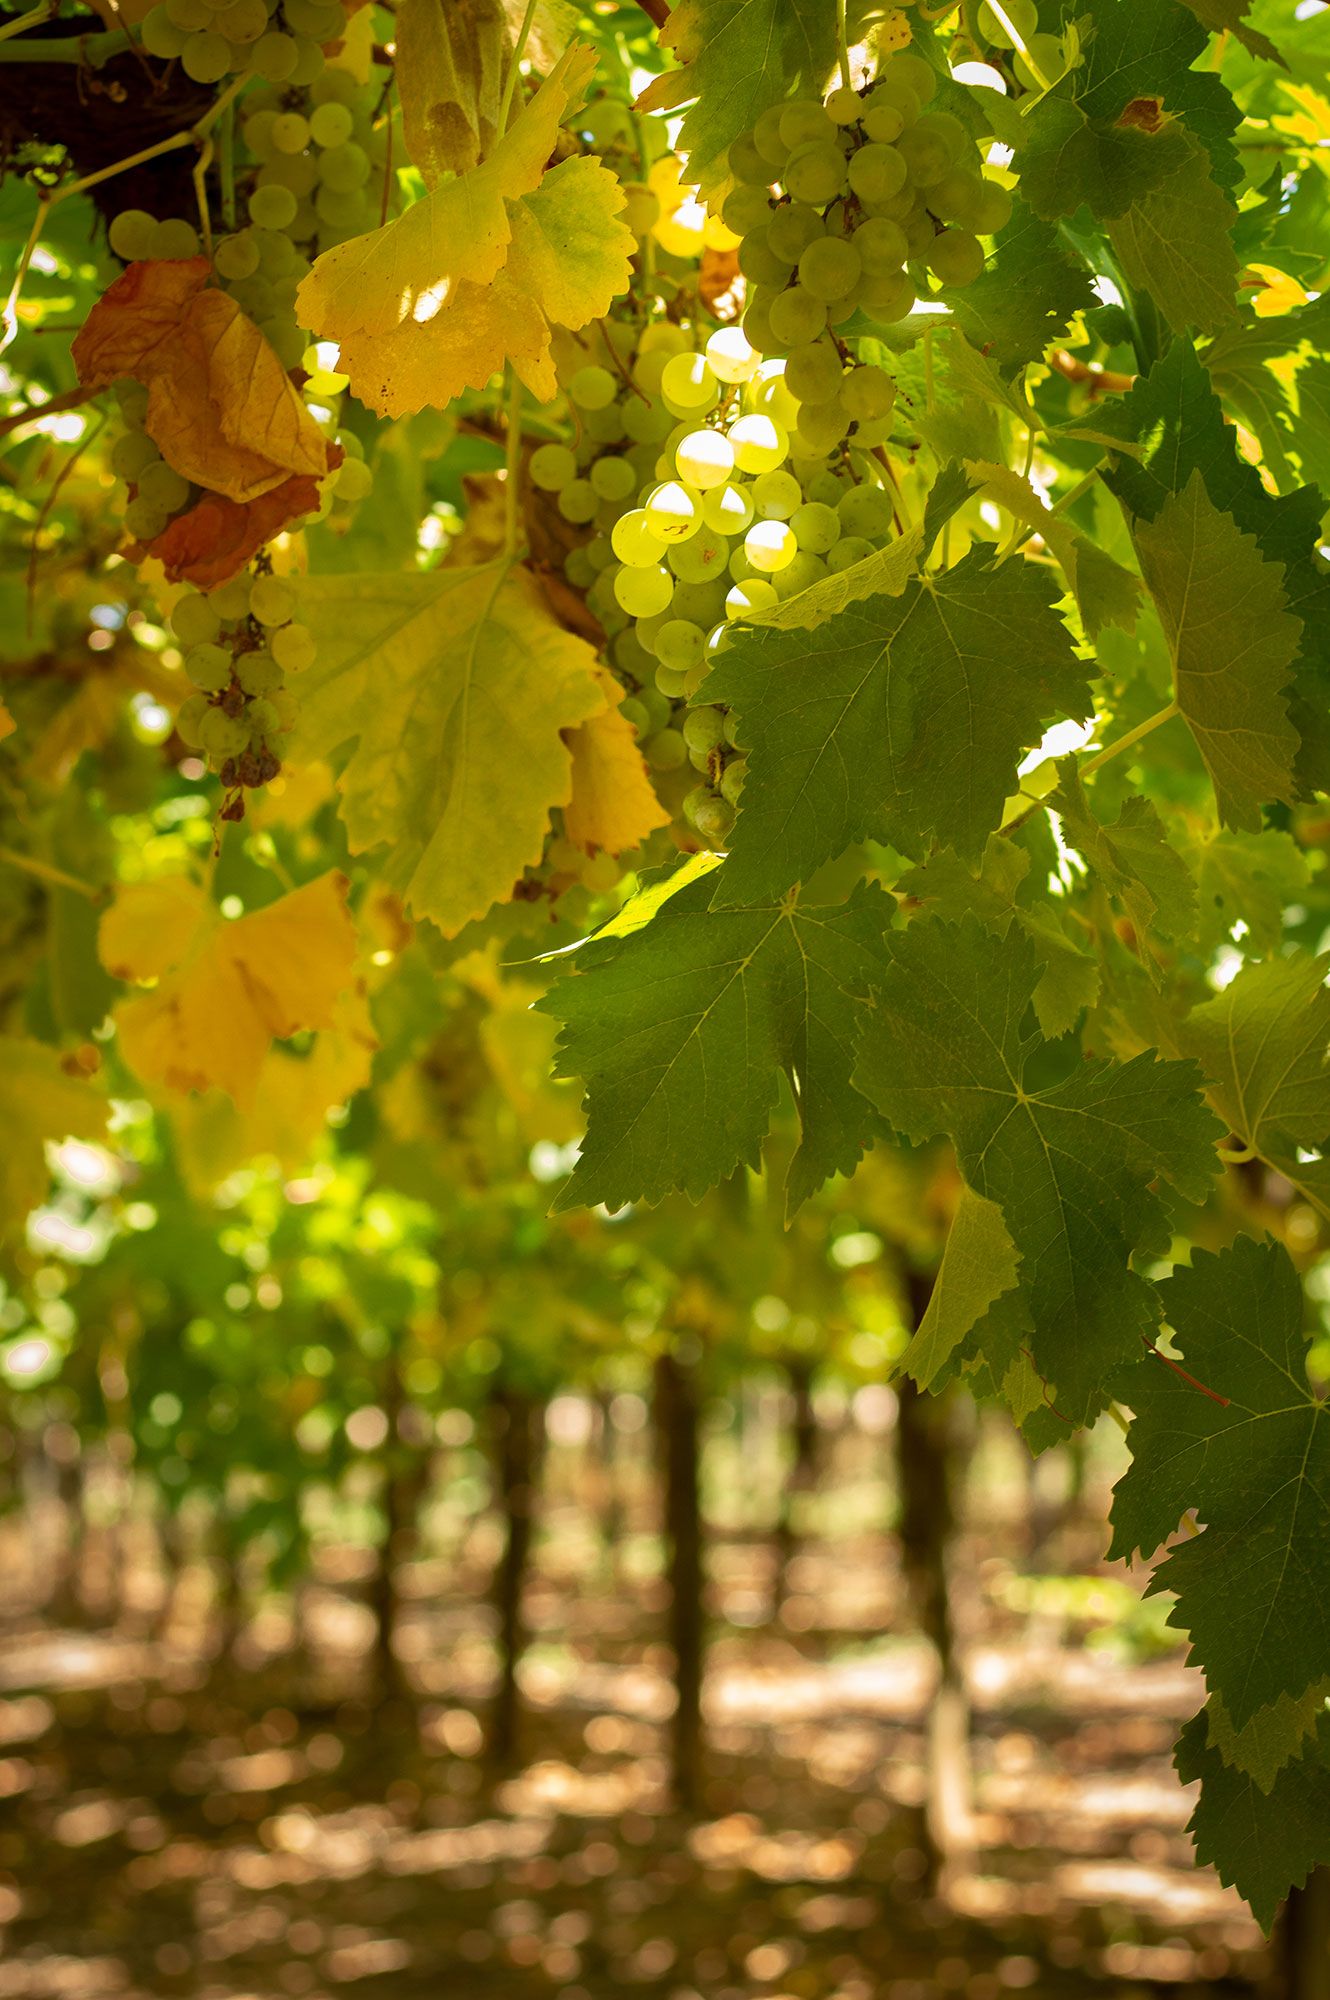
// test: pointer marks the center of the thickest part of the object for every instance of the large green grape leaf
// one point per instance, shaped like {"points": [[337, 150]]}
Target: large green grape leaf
{"points": [[1066, 161], [1027, 294], [1242, 1439], [1134, 859], [683, 1028], [901, 719], [1264, 1044], [1247, 877], [1175, 241], [1272, 1736], [1145, 49], [1003, 891], [946, 1050], [1176, 426], [1262, 1843], [977, 1280], [1275, 373], [454, 686], [1229, 17], [1105, 592], [1233, 641]]}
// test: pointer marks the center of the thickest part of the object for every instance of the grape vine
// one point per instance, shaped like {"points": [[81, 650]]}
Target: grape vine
{"points": [[788, 541]]}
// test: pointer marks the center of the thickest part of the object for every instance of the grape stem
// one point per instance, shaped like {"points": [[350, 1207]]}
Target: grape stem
{"points": [[843, 46], [1131, 739], [1018, 42], [33, 19], [88, 51], [514, 67], [226, 165], [512, 464], [34, 558], [618, 361], [44, 871]]}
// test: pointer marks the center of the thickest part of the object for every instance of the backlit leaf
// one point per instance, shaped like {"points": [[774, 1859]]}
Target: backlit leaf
{"points": [[467, 671]]}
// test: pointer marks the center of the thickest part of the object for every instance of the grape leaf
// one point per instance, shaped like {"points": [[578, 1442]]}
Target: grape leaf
{"points": [[613, 805], [738, 57], [945, 1051], [1252, 1457], [1179, 422], [1143, 51], [1273, 1735], [567, 260], [213, 540], [979, 1271], [1228, 17], [1069, 980], [222, 410], [1247, 876], [1067, 161], [452, 61], [1224, 611], [1275, 374], [1176, 243], [1263, 1844], [1027, 294], [1106, 593], [683, 1028], [1133, 858], [224, 991], [899, 719], [41, 1100], [883, 574], [477, 271], [1263, 1044], [291, 1101], [467, 668]]}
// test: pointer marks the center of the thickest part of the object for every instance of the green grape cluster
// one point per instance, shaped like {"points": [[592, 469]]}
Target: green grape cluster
{"points": [[157, 492], [706, 505], [240, 643], [280, 41], [846, 208]]}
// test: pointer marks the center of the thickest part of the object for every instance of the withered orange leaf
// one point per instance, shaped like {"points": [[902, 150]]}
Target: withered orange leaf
{"points": [[222, 410], [216, 538]]}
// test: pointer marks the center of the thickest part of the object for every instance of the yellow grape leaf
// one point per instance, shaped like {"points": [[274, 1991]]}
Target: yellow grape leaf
{"points": [[291, 1104], [454, 685], [7, 723], [566, 263], [476, 272], [409, 269], [150, 926], [521, 1059], [519, 1054], [40, 1100], [450, 70], [44, 1097], [613, 805], [225, 991]]}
